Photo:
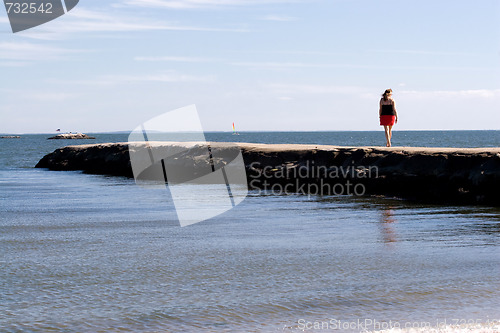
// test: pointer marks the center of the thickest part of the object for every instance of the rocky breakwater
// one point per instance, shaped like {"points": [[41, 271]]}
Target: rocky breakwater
{"points": [[433, 175]]}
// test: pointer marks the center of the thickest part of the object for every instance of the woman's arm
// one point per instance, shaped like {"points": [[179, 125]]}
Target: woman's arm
{"points": [[380, 108], [394, 108]]}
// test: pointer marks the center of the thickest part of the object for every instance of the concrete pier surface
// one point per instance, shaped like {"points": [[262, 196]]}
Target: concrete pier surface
{"points": [[432, 175]]}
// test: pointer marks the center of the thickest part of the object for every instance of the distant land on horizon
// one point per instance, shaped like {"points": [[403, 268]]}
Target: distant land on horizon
{"points": [[256, 131]]}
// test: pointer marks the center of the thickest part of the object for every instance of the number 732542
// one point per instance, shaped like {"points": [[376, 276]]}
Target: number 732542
{"points": [[28, 8]]}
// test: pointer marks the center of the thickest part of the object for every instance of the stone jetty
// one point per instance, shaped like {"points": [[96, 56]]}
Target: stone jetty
{"points": [[432, 175]]}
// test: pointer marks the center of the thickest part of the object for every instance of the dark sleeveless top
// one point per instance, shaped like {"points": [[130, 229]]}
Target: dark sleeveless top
{"points": [[388, 110]]}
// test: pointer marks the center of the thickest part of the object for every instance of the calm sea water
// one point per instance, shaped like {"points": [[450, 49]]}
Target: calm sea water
{"points": [[89, 253]]}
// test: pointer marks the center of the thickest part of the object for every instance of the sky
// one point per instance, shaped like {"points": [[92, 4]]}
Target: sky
{"points": [[266, 65]]}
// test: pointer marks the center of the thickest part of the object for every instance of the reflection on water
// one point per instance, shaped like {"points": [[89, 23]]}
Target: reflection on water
{"points": [[387, 220], [86, 253]]}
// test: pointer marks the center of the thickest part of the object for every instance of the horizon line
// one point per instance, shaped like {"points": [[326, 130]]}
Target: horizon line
{"points": [[264, 131]]}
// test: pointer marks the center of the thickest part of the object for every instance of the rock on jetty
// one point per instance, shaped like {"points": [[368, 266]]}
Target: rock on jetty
{"points": [[431, 175], [66, 136]]}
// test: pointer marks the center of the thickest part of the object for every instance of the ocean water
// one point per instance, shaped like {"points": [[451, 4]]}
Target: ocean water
{"points": [[93, 253]]}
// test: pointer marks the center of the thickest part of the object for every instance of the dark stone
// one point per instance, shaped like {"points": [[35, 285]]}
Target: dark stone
{"points": [[432, 175]]}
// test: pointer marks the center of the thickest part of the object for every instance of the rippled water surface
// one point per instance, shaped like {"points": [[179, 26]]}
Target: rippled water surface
{"points": [[87, 253]]}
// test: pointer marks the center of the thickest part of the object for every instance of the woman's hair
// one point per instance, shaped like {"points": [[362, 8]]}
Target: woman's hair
{"points": [[386, 93]]}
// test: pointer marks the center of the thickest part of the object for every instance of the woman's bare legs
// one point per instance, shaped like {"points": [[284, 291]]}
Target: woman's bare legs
{"points": [[390, 135], [387, 130]]}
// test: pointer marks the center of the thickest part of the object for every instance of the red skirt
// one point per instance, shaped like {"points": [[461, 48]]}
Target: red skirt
{"points": [[387, 120]]}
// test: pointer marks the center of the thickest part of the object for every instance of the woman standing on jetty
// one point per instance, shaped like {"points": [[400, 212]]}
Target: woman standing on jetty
{"points": [[388, 114]]}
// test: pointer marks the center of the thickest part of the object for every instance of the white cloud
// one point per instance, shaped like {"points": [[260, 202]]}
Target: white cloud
{"points": [[49, 96], [284, 65], [174, 59], [425, 52], [162, 77], [13, 63], [87, 20], [21, 52], [278, 18], [190, 4], [84, 20], [365, 92], [478, 93], [110, 80], [295, 89]]}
